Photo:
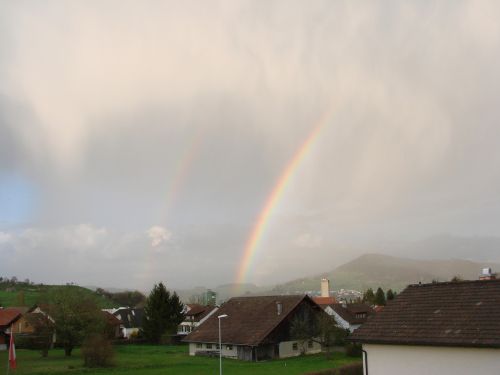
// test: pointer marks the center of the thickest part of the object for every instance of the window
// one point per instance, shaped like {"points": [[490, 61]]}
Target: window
{"points": [[209, 346], [229, 347], [295, 346], [199, 346], [310, 344], [217, 347]]}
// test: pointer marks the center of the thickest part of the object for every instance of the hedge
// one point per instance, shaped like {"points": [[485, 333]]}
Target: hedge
{"points": [[350, 369]]}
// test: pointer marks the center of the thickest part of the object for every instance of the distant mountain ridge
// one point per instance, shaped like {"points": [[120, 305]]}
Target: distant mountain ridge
{"points": [[373, 270]]}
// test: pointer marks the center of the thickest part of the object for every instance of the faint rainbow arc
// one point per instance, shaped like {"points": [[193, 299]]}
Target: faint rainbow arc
{"points": [[274, 197]]}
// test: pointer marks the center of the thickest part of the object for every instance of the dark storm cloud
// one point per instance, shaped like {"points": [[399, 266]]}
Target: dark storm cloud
{"points": [[167, 121]]}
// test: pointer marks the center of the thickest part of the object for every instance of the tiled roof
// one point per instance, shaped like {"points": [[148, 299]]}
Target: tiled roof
{"points": [[324, 300], [20, 309], [8, 316], [110, 318], [250, 319], [348, 313], [465, 313], [199, 311]]}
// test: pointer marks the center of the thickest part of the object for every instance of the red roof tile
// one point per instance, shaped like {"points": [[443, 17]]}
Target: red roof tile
{"points": [[7, 317], [324, 300]]}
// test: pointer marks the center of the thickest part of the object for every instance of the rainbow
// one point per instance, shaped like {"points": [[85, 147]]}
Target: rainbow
{"points": [[274, 197], [182, 169]]}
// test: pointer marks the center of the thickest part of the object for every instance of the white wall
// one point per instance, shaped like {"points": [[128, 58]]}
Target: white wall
{"points": [[286, 348], [428, 360], [226, 352]]}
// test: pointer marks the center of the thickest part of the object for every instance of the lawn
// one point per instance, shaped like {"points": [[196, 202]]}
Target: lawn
{"points": [[165, 360]]}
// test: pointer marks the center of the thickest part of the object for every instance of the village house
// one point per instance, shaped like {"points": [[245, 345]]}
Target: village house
{"points": [[256, 328], [349, 316], [131, 320], [8, 317], [194, 315], [438, 328]]}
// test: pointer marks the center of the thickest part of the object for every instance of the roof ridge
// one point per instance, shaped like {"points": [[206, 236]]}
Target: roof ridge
{"points": [[441, 283]]}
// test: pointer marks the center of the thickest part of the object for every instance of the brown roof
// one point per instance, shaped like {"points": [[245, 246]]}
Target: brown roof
{"points": [[111, 319], [348, 313], [465, 313], [8, 316], [199, 311], [21, 309], [250, 320], [324, 300]]}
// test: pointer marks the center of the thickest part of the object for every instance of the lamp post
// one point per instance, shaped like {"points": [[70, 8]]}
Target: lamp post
{"points": [[220, 343]]}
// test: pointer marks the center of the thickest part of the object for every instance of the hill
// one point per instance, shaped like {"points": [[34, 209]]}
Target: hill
{"points": [[27, 294], [373, 270]]}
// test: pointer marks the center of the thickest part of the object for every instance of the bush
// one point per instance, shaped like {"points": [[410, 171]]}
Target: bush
{"points": [[350, 369], [353, 350], [97, 351]]}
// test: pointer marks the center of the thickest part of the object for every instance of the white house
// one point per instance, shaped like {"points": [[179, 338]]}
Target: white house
{"points": [[131, 319], [438, 328], [349, 316], [194, 315]]}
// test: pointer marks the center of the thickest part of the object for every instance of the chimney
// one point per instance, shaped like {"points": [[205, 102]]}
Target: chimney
{"points": [[279, 307], [325, 287], [486, 274]]}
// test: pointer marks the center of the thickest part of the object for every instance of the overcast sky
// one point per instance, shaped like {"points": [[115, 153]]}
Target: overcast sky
{"points": [[140, 140]]}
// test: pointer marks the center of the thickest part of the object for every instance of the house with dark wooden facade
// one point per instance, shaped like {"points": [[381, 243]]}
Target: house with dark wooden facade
{"points": [[256, 328]]}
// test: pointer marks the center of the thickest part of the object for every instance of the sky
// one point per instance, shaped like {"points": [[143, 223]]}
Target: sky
{"points": [[140, 141]]}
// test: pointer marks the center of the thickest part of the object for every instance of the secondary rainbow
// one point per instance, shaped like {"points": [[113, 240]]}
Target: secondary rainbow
{"points": [[274, 197]]}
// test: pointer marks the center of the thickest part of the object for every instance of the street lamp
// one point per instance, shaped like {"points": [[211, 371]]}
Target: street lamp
{"points": [[220, 343]]}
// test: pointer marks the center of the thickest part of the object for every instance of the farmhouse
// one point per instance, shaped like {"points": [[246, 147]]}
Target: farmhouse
{"points": [[256, 328], [439, 328]]}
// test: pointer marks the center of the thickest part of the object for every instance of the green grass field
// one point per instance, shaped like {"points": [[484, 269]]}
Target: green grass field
{"points": [[32, 295], [165, 360]]}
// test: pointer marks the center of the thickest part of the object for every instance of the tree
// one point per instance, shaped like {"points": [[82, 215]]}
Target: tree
{"points": [[97, 351], [43, 331], [162, 313], [379, 297], [369, 296], [390, 295], [126, 298], [320, 328], [76, 316]]}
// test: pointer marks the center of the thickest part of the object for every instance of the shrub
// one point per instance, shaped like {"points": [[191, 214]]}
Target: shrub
{"points": [[353, 350], [350, 369], [97, 351]]}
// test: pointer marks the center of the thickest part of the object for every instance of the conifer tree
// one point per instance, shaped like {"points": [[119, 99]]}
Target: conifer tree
{"points": [[379, 297], [390, 295], [369, 296], [162, 313]]}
